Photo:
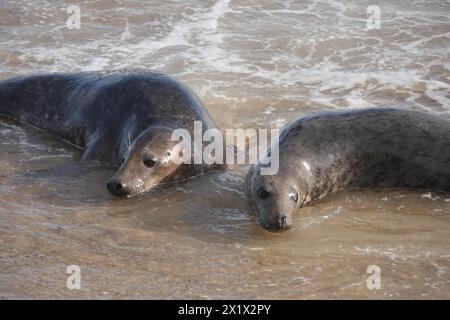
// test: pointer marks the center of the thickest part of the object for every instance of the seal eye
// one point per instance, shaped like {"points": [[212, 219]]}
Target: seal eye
{"points": [[263, 193], [293, 196], [150, 163]]}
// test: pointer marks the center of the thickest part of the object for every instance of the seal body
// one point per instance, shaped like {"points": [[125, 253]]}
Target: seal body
{"points": [[365, 148], [124, 118]]}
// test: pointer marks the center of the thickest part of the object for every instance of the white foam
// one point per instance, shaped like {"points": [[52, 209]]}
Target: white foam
{"points": [[335, 60]]}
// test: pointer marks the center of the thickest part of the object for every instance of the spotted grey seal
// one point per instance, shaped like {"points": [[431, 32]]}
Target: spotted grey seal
{"points": [[365, 148], [124, 118]]}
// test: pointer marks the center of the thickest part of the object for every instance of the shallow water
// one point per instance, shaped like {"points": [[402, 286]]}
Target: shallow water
{"points": [[254, 64]]}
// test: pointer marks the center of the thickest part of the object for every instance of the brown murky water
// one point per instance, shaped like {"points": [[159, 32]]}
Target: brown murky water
{"points": [[254, 64]]}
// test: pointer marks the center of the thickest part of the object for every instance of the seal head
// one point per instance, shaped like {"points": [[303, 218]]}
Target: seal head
{"points": [[274, 198], [151, 160]]}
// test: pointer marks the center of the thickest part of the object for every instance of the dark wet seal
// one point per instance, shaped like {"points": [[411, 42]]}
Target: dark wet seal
{"points": [[123, 118], [365, 148]]}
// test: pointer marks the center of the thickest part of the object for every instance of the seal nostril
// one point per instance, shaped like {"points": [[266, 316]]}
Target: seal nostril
{"points": [[278, 223], [263, 193], [282, 221], [118, 189], [150, 163], [115, 187]]}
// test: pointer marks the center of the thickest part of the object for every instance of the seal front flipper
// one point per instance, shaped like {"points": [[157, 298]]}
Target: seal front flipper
{"points": [[99, 148]]}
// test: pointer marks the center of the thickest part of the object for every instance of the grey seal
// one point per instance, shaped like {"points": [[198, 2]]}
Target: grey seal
{"points": [[365, 148], [124, 118]]}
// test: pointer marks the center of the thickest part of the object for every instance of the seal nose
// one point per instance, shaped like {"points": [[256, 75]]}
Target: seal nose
{"points": [[282, 222], [116, 188], [279, 223]]}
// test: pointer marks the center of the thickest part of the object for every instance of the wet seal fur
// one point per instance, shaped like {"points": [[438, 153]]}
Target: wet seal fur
{"points": [[124, 118], [365, 148]]}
